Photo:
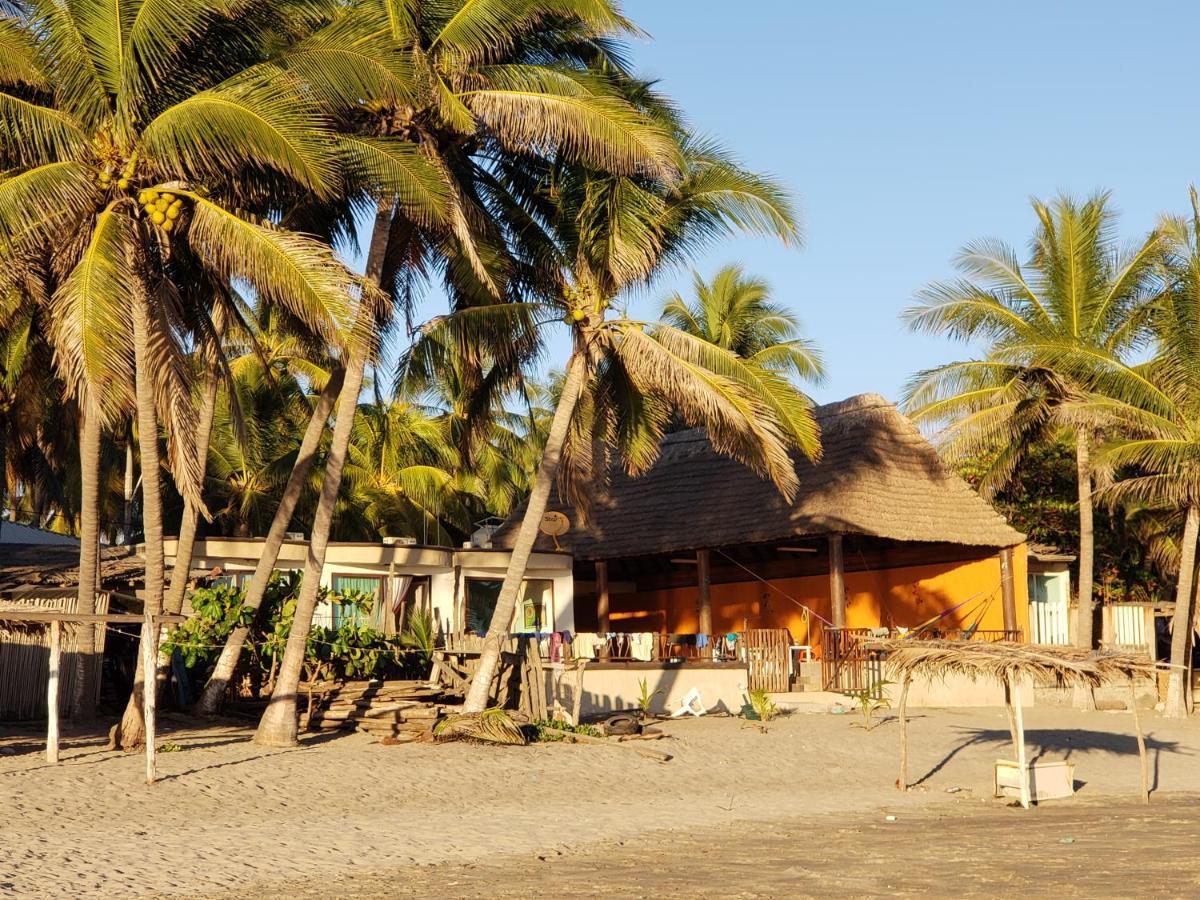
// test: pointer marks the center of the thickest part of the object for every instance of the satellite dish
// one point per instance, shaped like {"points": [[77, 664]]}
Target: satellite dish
{"points": [[554, 523]]}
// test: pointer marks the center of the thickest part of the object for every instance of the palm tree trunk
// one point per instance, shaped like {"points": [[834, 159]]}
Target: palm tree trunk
{"points": [[214, 691], [1083, 620], [191, 516], [278, 725], [506, 603], [127, 518], [132, 725], [1181, 622], [83, 702], [3, 471]]}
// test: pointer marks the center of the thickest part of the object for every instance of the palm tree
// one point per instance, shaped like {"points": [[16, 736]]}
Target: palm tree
{"points": [[626, 380], [157, 136], [1080, 290], [1154, 409], [736, 312], [453, 88]]}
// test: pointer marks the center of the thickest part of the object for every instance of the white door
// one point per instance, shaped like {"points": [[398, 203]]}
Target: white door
{"points": [[1049, 604]]}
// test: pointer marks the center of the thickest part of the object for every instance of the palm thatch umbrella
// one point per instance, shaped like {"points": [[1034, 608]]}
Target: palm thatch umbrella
{"points": [[1011, 663]]}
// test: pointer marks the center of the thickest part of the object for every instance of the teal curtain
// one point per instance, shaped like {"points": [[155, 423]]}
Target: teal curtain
{"points": [[367, 584]]}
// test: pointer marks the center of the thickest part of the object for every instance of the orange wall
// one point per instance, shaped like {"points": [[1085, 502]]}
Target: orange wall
{"points": [[902, 596]]}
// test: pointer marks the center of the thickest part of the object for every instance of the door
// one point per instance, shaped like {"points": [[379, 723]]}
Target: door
{"points": [[1049, 605]]}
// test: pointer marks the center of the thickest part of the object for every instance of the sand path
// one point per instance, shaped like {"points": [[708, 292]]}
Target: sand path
{"points": [[228, 816]]}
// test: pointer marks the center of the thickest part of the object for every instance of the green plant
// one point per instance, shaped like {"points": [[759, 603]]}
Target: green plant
{"points": [[168, 747], [645, 697], [218, 610], [868, 700], [536, 732], [760, 707]]}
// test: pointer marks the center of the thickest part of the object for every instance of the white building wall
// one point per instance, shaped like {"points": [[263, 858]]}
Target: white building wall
{"points": [[447, 570]]}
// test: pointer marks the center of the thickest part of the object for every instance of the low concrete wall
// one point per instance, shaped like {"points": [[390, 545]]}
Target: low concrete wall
{"points": [[957, 690], [613, 687]]}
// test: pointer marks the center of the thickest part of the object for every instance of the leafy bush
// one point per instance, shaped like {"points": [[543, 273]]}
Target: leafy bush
{"points": [[354, 649], [535, 732]]}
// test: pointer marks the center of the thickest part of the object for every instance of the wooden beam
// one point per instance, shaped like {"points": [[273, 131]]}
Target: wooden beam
{"points": [[602, 595], [837, 581], [1008, 592], [47, 616], [52, 692], [704, 594]]}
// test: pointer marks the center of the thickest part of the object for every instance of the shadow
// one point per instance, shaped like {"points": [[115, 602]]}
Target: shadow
{"points": [[233, 762], [1062, 743]]}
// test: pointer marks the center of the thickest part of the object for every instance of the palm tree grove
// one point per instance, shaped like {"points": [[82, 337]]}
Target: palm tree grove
{"points": [[507, 378]]}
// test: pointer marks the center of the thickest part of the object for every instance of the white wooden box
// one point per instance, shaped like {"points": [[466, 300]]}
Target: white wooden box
{"points": [[1050, 780]]}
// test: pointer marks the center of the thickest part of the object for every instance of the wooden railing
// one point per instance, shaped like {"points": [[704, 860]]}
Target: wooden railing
{"points": [[763, 650], [849, 665]]}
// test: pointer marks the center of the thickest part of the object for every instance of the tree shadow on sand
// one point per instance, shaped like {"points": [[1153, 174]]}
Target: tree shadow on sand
{"points": [[1061, 742]]}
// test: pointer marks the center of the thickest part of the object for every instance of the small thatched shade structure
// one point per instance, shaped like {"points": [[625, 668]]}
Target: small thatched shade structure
{"points": [[1009, 664]]}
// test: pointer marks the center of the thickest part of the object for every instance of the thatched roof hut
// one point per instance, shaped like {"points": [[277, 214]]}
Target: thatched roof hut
{"points": [[878, 476], [36, 565]]}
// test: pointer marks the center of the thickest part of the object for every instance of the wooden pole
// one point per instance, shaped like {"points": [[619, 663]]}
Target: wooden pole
{"points": [[150, 654], [902, 784], [1008, 710], [52, 692], [602, 622], [1141, 741], [837, 581], [1022, 762], [704, 599], [1007, 590]]}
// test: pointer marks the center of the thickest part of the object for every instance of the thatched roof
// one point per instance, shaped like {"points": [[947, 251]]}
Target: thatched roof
{"points": [[877, 476], [58, 566], [997, 660]]}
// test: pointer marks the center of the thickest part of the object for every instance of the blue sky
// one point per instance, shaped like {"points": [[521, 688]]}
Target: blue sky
{"points": [[906, 130]]}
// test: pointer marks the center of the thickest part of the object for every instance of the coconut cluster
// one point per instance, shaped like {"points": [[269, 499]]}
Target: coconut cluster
{"points": [[161, 207], [123, 178]]}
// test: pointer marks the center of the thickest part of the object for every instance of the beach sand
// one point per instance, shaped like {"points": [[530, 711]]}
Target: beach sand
{"points": [[800, 810]]}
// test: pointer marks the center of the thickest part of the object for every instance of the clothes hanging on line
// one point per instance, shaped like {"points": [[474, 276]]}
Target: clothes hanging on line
{"points": [[585, 645], [641, 646]]}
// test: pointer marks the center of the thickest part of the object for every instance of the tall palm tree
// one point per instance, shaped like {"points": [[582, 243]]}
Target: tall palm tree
{"points": [[453, 88], [1154, 408], [625, 380], [157, 136], [1079, 289], [735, 311]]}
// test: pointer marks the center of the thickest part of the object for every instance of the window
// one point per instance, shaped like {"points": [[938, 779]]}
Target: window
{"points": [[236, 580], [535, 608], [366, 584]]}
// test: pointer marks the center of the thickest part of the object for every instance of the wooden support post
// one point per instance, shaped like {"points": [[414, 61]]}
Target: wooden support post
{"points": [[602, 620], [837, 581], [149, 655], [52, 692], [704, 597], [1019, 718], [902, 783], [1008, 592], [1141, 741]]}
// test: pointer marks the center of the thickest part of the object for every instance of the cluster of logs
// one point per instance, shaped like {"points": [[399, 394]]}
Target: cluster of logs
{"points": [[399, 710]]}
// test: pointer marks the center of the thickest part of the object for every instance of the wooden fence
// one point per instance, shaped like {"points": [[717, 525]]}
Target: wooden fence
{"points": [[25, 653], [848, 666]]}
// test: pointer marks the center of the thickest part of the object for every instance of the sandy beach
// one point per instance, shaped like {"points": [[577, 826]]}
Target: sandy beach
{"points": [[805, 804]]}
